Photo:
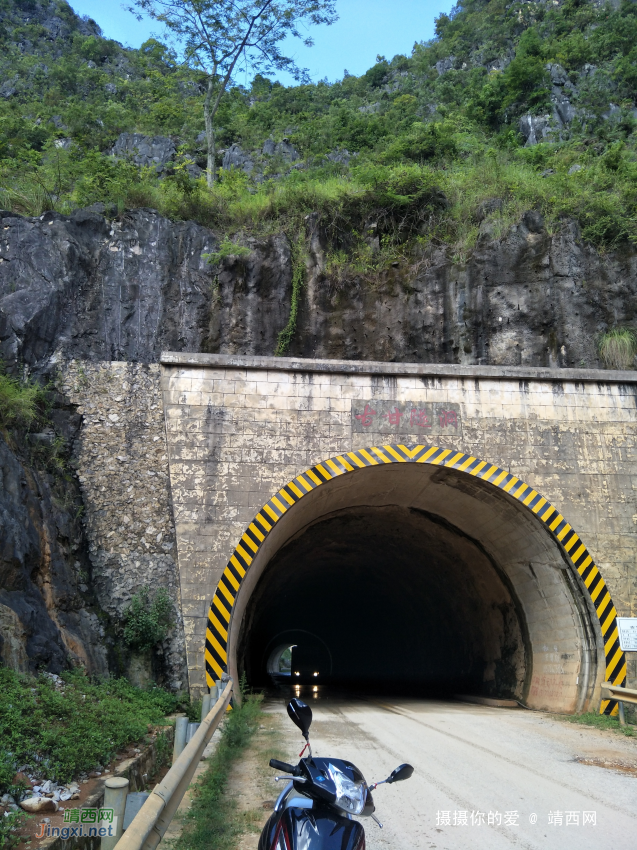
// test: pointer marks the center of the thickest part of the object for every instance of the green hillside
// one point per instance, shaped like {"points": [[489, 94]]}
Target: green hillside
{"points": [[512, 106]]}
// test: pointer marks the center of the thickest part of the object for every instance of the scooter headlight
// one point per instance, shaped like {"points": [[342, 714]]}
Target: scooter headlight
{"points": [[350, 795]]}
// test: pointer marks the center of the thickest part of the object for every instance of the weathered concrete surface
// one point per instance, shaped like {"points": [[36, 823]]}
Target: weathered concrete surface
{"points": [[237, 432], [471, 761]]}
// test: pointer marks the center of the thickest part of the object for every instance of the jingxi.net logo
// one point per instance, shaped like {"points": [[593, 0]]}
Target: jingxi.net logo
{"points": [[96, 823]]}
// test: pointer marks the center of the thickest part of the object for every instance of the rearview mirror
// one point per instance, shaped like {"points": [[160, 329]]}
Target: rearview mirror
{"points": [[403, 771], [301, 715]]}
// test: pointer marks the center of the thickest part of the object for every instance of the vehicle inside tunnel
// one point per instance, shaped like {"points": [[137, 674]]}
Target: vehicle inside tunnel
{"points": [[387, 598]]}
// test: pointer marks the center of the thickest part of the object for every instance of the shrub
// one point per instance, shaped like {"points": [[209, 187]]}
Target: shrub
{"points": [[147, 620], [9, 826], [376, 74], [431, 141], [101, 178], [227, 249]]}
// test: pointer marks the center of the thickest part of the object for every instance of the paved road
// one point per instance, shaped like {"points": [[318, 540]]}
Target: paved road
{"points": [[472, 760]]}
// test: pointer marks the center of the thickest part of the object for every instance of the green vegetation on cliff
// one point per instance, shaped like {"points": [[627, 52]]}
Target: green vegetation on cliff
{"points": [[512, 106]]}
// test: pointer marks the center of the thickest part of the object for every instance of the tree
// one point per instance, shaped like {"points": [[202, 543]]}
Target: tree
{"points": [[220, 37]]}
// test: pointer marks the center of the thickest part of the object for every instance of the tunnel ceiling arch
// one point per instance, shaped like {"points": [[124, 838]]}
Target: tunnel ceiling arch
{"points": [[238, 567]]}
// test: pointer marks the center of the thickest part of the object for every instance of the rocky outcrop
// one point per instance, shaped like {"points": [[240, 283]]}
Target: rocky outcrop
{"points": [[283, 153], [284, 149], [562, 90], [528, 298], [540, 128], [145, 151], [569, 102], [46, 265], [535, 128], [444, 65], [235, 157], [88, 288], [94, 289], [46, 616], [58, 23], [8, 87], [341, 157]]}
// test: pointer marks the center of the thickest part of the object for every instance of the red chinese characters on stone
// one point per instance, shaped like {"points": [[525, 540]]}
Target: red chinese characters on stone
{"points": [[419, 418], [393, 417], [448, 417], [366, 416]]}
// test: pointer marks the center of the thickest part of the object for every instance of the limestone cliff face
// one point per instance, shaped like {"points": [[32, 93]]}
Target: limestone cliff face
{"points": [[90, 288], [46, 613], [100, 290], [87, 288], [530, 298]]}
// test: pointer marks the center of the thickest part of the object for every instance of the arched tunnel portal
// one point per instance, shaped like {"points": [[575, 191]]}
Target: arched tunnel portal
{"points": [[420, 570]]}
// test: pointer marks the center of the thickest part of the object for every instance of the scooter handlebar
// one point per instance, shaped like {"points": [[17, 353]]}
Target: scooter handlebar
{"points": [[286, 768]]}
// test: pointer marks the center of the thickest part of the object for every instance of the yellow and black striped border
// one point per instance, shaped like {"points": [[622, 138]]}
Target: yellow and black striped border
{"points": [[254, 535]]}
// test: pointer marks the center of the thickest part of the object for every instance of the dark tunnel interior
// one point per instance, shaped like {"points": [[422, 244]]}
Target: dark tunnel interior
{"points": [[386, 599]]}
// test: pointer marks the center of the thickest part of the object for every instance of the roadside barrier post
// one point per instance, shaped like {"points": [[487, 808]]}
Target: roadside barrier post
{"points": [[205, 706], [115, 792], [181, 729], [622, 695], [190, 731]]}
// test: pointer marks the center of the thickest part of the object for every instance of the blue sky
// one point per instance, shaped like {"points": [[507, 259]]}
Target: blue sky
{"points": [[365, 28]]}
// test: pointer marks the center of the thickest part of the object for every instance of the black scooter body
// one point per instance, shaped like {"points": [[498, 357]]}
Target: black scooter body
{"points": [[308, 829], [321, 826], [313, 810]]}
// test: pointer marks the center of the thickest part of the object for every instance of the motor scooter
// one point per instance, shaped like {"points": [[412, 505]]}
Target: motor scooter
{"points": [[314, 811]]}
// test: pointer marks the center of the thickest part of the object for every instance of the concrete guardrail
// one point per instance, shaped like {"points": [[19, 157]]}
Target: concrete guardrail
{"points": [[153, 819]]}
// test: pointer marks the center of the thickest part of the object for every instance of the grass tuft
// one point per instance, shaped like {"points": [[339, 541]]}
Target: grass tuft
{"points": [[618, 348], [20, 403]]}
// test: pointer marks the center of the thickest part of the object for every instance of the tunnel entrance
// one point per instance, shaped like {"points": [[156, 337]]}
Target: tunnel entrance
{"points": [[404, 601], [420, 570]]}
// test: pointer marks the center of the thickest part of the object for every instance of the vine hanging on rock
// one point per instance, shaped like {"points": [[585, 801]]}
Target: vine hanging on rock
{"points": [[297, 257]]}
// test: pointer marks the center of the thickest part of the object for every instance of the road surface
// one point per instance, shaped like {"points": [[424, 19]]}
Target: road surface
{"points": [[484, 777]]}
